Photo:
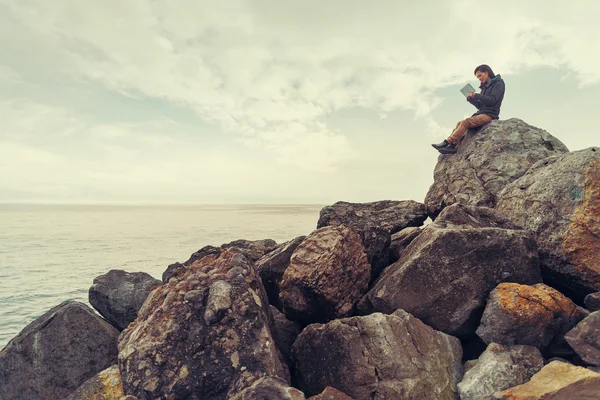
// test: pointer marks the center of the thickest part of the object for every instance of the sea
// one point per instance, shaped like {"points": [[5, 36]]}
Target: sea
{"points": [[52, 253]]}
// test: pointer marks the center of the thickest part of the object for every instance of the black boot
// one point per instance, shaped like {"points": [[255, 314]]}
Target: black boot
{"points": [[441, 145], [450, 149]]}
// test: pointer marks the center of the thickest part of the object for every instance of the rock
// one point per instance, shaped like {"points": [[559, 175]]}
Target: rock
{"points": [[374, 222], [530, 315], [585, 339], [331, 394], [284, 332], [446, 274], [252, 249], [270, 389], [106, 385], [486, 162], [378, 357], [118, 295], [52, 356], [327, 275], [400, 240], [592, 301], [557, 380], [205, 334], [272, 265], [500, 368], [558, 200]]}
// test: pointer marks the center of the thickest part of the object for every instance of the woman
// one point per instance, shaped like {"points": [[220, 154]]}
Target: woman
{"points": [[488, 107]]}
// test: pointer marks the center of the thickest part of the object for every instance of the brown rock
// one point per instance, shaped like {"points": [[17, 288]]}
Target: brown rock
{"points": [[374, 222], [284, 332], [378, 357], [400, 240], [52, 356], [272, 265], [446, 274], [585, 339], [487, 160], [331, 394], [559, 381], [106, 385], [269, 389], [328, 274], [592, 301], [558, 200], [205, 334], [530, 315]]}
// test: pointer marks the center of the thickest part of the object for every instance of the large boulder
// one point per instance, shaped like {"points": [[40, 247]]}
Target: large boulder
{"points": [[374, 222], [499, 368], [331, 394], [56, 353], [487, 160], [272, 265], [379, 357], [118, 295], [268, 388], [401, 240], [205, 334], [327, 275], [557, 381], [106, 385], [446, 274], [558, 200], [585, 339], [285, 333], [530, 315], [252, 249]]}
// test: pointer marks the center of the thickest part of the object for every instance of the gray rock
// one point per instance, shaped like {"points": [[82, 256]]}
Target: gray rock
{"points": [[592, 301], [374, 222], [400, 240], [378, 357], [272, 265], [487, 160], [445, 275], [171, 350], [585, 339], [56, 353], [270, 389], [327, 275], [500, 368], [557, 200], [252, 249], [284, 332], [535, 315], [118, 295]]}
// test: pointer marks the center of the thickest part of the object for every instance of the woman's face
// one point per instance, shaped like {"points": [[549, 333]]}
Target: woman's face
{"points": [[482, 76]]}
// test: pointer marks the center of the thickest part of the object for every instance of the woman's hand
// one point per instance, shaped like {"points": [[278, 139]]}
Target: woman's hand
{"points": [[471, 95]]}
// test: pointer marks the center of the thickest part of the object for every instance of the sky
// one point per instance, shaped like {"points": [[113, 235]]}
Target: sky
{"points": [[152, 101]]}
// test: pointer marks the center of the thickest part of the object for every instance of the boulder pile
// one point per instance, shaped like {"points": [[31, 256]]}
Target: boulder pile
{"points": [[498, 297]]}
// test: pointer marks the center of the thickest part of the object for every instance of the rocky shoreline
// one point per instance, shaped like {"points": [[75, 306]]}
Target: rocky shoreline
{"points": [[495, 298]]}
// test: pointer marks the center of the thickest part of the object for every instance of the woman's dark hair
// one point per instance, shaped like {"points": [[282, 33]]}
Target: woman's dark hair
{"points": [[485, 68]]}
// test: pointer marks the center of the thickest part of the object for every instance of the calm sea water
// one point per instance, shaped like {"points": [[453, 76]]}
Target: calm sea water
{"points": [[51, 253]]}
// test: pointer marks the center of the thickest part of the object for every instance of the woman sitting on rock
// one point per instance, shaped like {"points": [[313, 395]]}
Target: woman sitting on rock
{"points": [[488, 107]]}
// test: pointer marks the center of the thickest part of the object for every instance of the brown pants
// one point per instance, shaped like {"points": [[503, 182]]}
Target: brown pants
{"points": [[465, 124]]}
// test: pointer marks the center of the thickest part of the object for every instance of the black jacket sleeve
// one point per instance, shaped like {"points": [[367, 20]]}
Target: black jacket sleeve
{"points": [[475, 102], [491, 98]]}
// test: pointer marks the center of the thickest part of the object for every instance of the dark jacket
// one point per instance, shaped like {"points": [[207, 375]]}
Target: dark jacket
{"points": [[490, 99]]}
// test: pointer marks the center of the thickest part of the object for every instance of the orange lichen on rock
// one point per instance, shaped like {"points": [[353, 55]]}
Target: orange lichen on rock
{"points": [[581, 242]]}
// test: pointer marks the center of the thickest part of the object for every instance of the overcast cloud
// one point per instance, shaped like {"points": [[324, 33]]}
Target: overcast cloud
{"points": [[271, 101]]}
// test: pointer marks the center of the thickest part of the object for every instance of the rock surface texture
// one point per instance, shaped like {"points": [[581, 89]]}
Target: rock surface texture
{"points": [[374, 222], [585, 339], [592, 301], [400, 240], [379, 357], [56, 353], [500, 368], [557, 381], [558, 200], [487, 161], [205, 334], [106, 385], [446, 274], [118, 295], [269, 389], [327, 275], [331, 394], [530, 315]]}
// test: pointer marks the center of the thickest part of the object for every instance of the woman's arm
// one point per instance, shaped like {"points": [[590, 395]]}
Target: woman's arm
{"points": [[491, 99], [476, 103]]}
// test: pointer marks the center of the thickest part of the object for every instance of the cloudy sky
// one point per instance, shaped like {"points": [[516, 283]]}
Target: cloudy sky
{"points": [[271, 101]]}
